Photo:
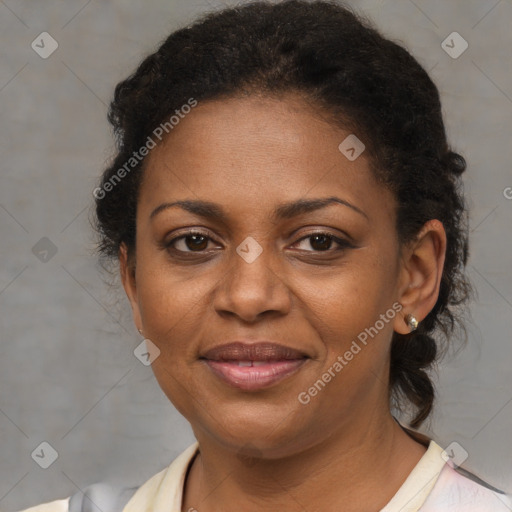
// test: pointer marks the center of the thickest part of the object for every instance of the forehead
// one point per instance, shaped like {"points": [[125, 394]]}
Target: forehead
{"points": [[258, 150]]}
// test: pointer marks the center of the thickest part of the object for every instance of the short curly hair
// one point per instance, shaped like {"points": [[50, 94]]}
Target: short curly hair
{"points": [[338, 61]]}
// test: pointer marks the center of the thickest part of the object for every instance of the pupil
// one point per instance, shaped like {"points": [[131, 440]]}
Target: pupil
{"points": [[322, 238], [195, 244]]}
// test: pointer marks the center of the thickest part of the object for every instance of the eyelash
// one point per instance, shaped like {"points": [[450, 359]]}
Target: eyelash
{"points": [[343, 244]]}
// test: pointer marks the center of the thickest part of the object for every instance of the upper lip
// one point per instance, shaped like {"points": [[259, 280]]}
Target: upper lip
{"points": [[254, 351]]}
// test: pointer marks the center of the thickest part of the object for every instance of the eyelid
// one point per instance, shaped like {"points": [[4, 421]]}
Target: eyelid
{"points": [[318, 229], [343, 243], [167, 242]]}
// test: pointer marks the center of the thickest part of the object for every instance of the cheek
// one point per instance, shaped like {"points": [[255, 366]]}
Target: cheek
{"points": [[338, 301], [352, 297], [171, 312], [167, 297], [353, 314], [356, 342]]}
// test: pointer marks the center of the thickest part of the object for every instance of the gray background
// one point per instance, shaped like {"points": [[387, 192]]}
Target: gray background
{"points": [[68, 375]]}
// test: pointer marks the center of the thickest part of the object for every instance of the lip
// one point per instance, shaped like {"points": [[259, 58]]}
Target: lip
{"points": [[253, 366]]}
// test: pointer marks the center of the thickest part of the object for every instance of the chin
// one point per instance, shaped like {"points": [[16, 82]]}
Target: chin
{"points": [[275, 435]]}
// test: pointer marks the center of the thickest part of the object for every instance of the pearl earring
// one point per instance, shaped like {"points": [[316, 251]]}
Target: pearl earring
{"points": [[411, 321]]}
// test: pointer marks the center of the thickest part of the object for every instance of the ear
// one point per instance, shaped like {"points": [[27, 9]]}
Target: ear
{"points": [[420, 275], [127, 270]]}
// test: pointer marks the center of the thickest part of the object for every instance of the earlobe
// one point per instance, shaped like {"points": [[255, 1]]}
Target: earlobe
{"points": [[422, 269], [411, 321]]}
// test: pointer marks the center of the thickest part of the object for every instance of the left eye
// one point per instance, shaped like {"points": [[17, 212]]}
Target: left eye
{"points": [[321, 242]]}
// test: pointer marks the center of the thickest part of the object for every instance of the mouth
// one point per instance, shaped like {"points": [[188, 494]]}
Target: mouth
{"points": [[253, 366]]}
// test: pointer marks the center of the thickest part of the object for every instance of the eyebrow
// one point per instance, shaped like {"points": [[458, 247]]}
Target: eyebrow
{"points": [[211, 210]]}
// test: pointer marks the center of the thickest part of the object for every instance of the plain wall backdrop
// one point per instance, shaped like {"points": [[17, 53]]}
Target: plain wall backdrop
{"points": [[68, 375]]}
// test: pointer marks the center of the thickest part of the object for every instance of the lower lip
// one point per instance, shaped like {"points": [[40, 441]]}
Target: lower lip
{"points": [[251, 378]]}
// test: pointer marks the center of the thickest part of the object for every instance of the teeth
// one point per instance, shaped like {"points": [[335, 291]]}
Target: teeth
{"points": [[253, 363]]}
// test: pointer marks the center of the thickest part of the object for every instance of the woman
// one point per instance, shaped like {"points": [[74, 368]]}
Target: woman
{"points": [[287, 216]]}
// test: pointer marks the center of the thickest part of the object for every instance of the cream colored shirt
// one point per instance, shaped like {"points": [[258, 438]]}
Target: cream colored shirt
{"points": [[432, 486]]}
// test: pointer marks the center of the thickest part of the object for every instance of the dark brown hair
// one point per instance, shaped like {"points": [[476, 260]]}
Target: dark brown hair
{"points": [[335, 59]]}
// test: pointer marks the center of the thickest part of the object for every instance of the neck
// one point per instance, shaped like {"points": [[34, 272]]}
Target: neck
{"points": [[353, 470]]}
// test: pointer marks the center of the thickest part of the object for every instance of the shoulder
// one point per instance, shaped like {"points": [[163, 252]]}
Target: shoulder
{"points": [[458, 490], [166, 486], [164, 491], [52, 506], [98, 496]]}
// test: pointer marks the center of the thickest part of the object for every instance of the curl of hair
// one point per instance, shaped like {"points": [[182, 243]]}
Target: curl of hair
{"points": [[338, 62]]}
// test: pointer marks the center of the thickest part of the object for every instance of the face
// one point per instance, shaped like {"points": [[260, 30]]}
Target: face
{"points": [[311, 278]]}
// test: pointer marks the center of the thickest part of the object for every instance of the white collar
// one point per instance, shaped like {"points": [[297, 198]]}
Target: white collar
{"points": [[163, 492]]}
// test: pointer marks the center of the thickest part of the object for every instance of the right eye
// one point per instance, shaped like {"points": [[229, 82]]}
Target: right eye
{"points": [[190, 242]]}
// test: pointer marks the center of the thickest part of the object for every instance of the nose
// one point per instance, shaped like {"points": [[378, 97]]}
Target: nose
{"points": [[254, 286]]}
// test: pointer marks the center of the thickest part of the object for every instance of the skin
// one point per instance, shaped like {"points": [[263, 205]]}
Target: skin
{"points": [[265, 450]]}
